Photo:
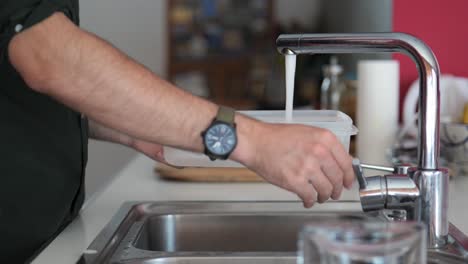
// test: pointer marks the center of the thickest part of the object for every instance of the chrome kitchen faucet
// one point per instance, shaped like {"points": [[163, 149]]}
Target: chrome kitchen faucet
{"points": [[423, 191]]}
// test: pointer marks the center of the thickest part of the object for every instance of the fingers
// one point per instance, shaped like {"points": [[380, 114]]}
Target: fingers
{"points": [[345, 162], [319, 178], [307, 193], [322, 185], [152, 150], [342, 158], [335, 175], [311, 185], [297, 181], [329, 168]]}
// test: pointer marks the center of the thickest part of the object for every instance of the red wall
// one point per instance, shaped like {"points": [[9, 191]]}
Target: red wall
{"points": [[443, 25]]}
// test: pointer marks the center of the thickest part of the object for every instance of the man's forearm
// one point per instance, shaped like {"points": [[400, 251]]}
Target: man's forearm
{"points": [[86, 73], [89, 75]]}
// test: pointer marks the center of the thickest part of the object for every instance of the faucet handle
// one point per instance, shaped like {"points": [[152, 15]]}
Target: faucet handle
{"points": [[397, 169], [358, 172], [377, 167], [372, 190]]}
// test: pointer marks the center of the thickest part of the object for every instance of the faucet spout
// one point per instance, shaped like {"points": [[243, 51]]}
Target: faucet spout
{"points": [[422, 55]]}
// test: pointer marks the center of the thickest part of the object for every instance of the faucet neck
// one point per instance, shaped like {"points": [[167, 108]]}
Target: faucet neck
{"points": [[428, 144]]}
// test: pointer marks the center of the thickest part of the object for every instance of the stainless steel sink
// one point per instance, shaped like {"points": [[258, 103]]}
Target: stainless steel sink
{"points": [[216, 232], [227, 232]]}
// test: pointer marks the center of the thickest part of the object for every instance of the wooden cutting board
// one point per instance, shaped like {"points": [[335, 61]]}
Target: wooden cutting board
{"points": [[207, 174]]}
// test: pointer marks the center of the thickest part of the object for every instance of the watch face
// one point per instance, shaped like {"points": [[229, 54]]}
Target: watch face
{"points": [[220, 139]]}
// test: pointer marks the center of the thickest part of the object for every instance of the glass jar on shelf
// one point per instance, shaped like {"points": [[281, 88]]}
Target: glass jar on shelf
{"points": [[333, 86]]}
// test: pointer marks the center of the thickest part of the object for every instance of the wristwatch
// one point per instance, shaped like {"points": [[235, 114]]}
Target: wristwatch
{"points": [[220, 138]]}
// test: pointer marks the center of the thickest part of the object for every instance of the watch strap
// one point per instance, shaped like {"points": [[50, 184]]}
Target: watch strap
{"points": [[226, 114]]}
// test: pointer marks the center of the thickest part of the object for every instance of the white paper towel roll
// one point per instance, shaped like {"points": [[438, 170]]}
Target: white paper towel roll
{"points": [[377, 109]]}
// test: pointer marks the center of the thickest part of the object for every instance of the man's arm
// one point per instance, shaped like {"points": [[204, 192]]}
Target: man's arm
{"points": [[86, 73]]}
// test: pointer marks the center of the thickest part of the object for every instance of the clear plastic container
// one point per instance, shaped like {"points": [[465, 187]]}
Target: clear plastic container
{"points": [[335, 121]]}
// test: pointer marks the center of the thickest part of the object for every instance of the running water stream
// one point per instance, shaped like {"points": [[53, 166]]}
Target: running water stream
{"points": [[290, 73]]}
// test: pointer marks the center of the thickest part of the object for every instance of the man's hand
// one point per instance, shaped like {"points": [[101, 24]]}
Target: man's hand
{"points": [[150, 149], [308, 161]]}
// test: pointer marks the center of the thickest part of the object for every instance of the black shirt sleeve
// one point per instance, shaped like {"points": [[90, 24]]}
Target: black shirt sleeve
{"points": [[43, 146], [17, 15]]}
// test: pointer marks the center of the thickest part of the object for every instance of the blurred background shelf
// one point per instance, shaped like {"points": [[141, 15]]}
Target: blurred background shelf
{"points": [[224, 45]]}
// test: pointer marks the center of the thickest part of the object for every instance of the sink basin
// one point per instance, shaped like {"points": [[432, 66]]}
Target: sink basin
{"points": [[217, 232], [227, 232]]}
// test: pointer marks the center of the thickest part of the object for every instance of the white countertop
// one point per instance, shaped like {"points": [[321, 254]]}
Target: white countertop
{"points": [[138, 182]]}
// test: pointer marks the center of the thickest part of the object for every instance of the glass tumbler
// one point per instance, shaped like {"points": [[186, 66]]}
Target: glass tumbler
{"points": [[363, 243]]}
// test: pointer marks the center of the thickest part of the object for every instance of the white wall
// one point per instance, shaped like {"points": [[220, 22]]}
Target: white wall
{"points": [[137, 27], [358, 16], [307, 12]]}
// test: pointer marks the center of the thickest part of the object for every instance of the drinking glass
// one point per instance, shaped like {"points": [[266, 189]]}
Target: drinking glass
{"points": [[363, 243]]}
